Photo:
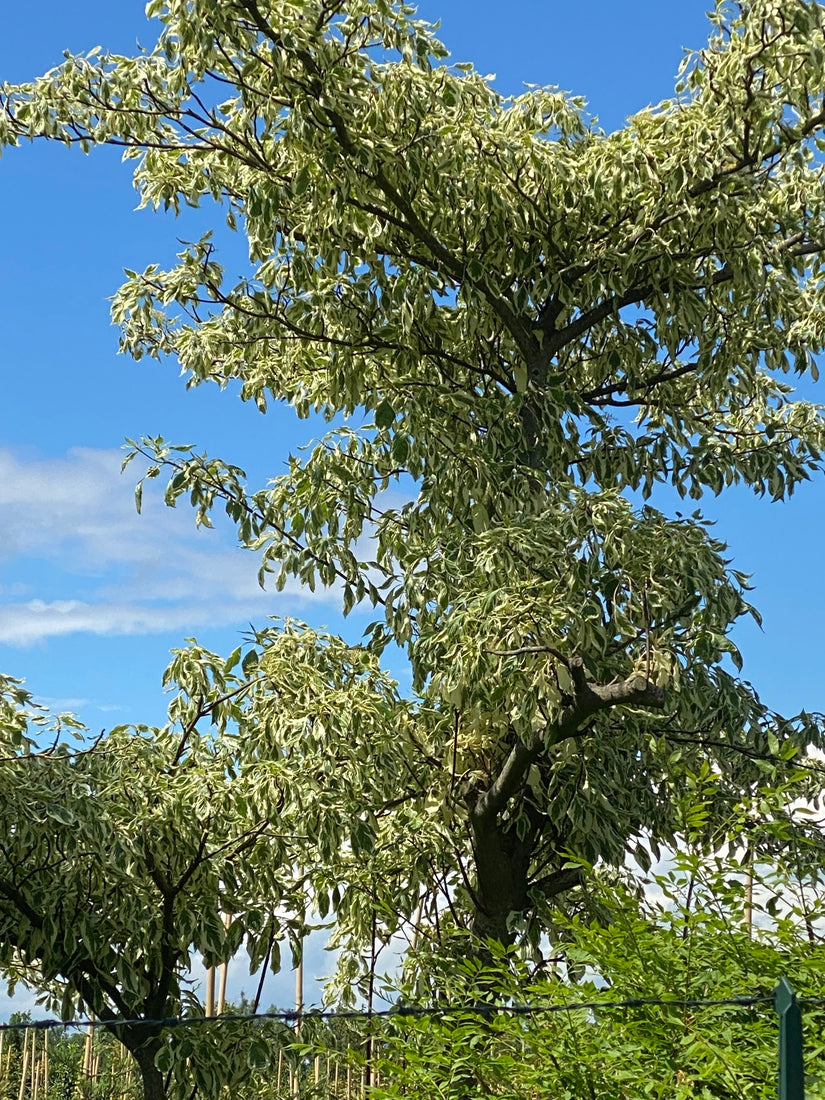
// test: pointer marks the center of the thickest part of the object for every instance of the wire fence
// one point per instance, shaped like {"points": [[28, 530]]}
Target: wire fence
{"points": [[474, 1008], [323, 1054]]}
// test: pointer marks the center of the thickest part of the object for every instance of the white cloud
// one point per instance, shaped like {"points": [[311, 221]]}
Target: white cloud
{"points": [[23, 1000], [100, 568], [23, 624], [62, 704]]}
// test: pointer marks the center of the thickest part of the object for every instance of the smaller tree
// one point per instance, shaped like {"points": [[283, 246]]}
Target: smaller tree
{"points": [[119, 859]]}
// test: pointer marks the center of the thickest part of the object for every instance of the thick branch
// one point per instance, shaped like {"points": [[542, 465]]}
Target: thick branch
{"points": [[509, 779], [558, 882], [589, 699]]}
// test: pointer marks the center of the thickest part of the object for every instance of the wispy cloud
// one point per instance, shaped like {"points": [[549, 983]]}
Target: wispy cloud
{"points": [[77, 558]]}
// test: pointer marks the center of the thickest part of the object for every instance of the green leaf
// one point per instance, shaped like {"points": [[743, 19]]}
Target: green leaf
{"points": [[165, 1058], [257, 1054], [384, 415], [400, 449]]}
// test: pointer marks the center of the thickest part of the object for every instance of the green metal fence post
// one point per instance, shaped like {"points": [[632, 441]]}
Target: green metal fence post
{"points": [[791, 1072]]}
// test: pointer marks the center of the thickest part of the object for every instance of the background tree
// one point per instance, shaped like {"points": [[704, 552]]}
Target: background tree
{"points": [[524, 328]]}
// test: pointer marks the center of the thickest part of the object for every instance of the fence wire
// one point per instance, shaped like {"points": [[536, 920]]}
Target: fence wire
{"points": [[442, 1011]]}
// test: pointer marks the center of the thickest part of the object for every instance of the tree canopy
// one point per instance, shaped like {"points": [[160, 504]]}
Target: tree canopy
{"points": [[527, 334]]}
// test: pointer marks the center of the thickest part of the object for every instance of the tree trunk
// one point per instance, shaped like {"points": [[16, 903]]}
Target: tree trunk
{"points": [[496, 895], [502, 868], [154, 1087], [503, 874]]}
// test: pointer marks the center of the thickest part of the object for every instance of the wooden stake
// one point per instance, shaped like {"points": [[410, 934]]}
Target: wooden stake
{"points": [[87, 1052], [127, 1077], [299, 974], [222, 987], [299, 991], [5, 1071]]}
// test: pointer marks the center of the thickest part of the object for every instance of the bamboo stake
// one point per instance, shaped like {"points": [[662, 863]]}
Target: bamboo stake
{"points": [[299, 975], [88, 1056], [299, 1005], [87, 1052], [227, 920], [349, 1082], [25, 1069], [222, 987], [299, 991], [35, 1067], [46, 1064], [280, 1069], [209, 1009], [368, 1050], [127, 1078]]}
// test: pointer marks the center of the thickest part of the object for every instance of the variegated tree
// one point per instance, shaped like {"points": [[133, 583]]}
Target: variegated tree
{"points": [[526, 331]]}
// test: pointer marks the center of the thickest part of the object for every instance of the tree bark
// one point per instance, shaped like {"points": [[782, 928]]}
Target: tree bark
{"points": [[502, 865], [144, 1052]]}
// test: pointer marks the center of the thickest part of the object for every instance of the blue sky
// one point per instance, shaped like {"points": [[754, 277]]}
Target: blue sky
{"points": [[92, 596]]}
